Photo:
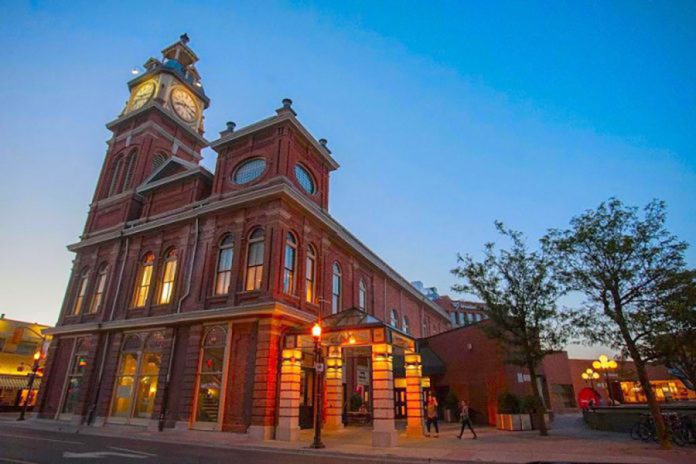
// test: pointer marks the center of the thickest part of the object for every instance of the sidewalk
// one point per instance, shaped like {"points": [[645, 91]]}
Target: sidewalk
{"points": [[569, 441]]}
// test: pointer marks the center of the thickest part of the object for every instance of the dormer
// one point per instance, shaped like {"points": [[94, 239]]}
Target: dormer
{"points": [[278, 148]]}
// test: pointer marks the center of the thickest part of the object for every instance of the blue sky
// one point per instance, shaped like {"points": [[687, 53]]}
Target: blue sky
{"points": [[445, 116]]}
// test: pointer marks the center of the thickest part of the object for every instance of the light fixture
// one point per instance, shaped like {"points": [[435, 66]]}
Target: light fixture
{"points": [[135, 71], [198, 84], [316, 330], [37, 355]]}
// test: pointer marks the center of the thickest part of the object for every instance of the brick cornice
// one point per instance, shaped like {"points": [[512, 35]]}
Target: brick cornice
{"points": [[258, 309]]}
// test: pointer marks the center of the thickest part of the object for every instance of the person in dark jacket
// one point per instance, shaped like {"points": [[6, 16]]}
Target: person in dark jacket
{"points": [[465, 419]]}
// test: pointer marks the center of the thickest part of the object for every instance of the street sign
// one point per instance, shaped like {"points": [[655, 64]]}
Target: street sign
{"points": [[319, 367]]}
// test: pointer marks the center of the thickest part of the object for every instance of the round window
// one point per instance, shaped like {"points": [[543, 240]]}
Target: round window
{"points": [[249, 170], [304, 178]]}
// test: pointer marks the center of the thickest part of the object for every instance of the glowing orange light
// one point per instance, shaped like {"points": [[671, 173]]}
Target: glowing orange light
{"points": [[316, 330], [37, 355]]}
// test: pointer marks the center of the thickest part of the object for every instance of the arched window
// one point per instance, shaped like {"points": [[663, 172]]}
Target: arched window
{"points": [[223, 275], [362, 295], [210, 374], [254, 267], [289, 264], [136, 381], [115, 174], [157, 161], [143, 281], [405, 324], [166, 287], [310, 274], [81, 292], [394, 319], [99, 289], [130, 168], [336, 288], [426, 326]]}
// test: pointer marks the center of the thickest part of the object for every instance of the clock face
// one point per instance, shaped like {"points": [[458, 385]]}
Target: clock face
{"points": [[142, 95], [183, 105]]}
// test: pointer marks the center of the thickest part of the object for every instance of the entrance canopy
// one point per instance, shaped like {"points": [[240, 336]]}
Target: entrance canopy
{"points": [[352, 327]]}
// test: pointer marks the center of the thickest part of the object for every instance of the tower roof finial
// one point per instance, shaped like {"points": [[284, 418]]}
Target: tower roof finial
{"points": [[184, 38]]}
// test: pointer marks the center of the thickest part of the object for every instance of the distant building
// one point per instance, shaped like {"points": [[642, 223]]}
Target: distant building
{"points": [[429, 292], [473, 366], [18, 342], [462, 312]]}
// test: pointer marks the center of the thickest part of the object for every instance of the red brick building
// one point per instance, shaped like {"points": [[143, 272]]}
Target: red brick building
{"points": [[185, 282]]}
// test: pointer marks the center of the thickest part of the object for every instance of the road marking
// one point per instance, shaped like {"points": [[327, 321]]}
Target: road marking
{"points": [[132, 451], [101, 454], [30, 437], [17, 461]]}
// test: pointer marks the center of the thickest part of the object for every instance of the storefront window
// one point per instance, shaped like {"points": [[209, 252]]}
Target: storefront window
{"points": [[136, 383], [210, 375]]}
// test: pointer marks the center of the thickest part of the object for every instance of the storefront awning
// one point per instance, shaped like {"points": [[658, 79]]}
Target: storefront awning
{"points": [[17, 382]]}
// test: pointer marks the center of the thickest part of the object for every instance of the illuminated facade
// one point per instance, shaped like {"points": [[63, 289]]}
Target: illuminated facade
{"points": [[19, 342], [186, 284]]}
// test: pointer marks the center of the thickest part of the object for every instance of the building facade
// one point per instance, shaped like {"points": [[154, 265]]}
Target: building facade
{"points": [[186, 283], [19, 342]]}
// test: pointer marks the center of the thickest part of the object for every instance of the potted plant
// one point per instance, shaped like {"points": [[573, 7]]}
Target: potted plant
{"points": [[530, 405], [509, 416], [451, 406]]}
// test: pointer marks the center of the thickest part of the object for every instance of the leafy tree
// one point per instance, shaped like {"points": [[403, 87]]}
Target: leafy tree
{"points": [[623, 262], [674, 339], [520, 296]]}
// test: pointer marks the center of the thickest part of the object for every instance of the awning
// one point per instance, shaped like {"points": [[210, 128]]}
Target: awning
{"points": [[17, 382]]}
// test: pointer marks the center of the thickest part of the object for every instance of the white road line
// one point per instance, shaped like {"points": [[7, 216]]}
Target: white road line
{"points": [[17, 461], [132, 451], [30, 437]]}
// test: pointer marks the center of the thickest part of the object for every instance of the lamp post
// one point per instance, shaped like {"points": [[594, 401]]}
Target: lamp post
{"points": [[32, 376], [590, 376], [605, 364], [318, 386], [34, 370]]}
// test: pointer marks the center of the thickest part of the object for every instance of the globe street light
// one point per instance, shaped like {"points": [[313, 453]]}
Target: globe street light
{"points": [[318, 386], [605, 365], [591, 376]]}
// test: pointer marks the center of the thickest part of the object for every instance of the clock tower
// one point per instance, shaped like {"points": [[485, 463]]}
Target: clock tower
{"points": [[162, 119]]}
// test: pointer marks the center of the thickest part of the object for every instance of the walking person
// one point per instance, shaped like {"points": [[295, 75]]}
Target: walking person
{"points": [[465, 419], [431, 416]]}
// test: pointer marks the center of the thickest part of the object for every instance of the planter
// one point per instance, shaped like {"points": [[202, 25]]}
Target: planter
{"points": [[513, 422]]}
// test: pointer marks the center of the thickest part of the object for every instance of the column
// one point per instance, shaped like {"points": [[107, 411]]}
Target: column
{"points": [[334, 389], [383, 427], [414, 398], [288, 428]]}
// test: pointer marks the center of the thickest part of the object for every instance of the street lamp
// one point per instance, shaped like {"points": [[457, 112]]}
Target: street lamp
{"points": [[590, 376], [605, 365], [32, 376], [318, 386]]}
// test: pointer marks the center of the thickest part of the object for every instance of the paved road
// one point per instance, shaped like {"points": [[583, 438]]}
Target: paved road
{"points": [[21, 445]]}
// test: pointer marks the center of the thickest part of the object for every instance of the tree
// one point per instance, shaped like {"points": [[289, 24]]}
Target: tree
{"points": [[623, 262], [673, 341], [520, 296]]}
